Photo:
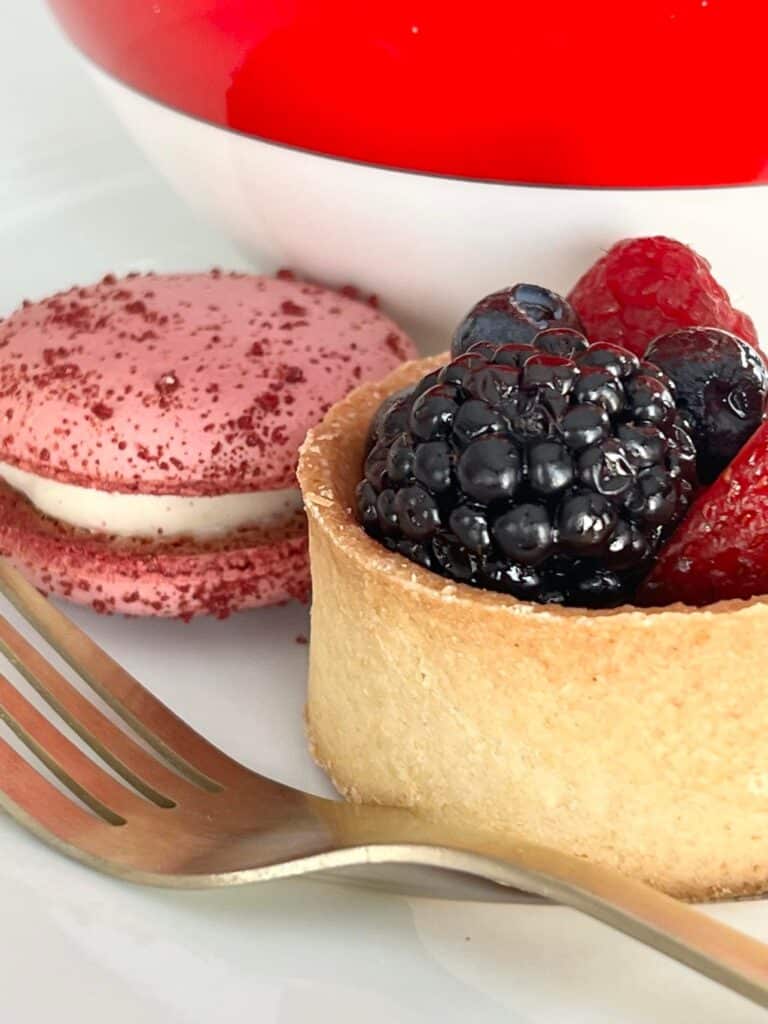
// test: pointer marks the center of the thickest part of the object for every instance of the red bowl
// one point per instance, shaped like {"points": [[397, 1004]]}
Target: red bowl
{"points": [[593, 93]]}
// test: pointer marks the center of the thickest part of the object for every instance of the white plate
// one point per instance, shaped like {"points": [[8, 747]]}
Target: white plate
{"points": [[76, 200]]}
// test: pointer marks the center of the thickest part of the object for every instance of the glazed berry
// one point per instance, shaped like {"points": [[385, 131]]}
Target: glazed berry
{"points": [[600, 386], [470, 525], [433, 412], [551, 477], [515, 314], [392, 416], [376, 464], [556, 373], [493, 383], [386, 511], [460, 371], [650, 400], [584, 425], [433, 466], [720, 551], [586, 523], [367, 512], [606, 469], [643, 444], [525, 533], [417, 513], [550, 467], [644, 287], [561, 341], [616, 360], [476, 419], [489, 470], [400, 459], [721, 382], [454, 559]]}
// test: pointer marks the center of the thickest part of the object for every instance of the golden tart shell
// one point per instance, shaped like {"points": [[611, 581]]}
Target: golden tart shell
{"points": [[637, 738]]}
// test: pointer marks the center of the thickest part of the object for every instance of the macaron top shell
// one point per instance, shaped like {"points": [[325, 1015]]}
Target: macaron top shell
{"points": [[194, 384]]}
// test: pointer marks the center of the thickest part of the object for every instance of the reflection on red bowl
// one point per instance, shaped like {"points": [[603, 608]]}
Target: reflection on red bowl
{"points": [[597, 92], [418, 143]]}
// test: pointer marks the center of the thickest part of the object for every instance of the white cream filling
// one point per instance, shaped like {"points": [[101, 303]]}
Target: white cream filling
{"points": [[151, 515]]}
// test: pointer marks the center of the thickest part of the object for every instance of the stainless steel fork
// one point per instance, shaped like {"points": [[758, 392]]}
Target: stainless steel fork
{"points": [[187, 816]]}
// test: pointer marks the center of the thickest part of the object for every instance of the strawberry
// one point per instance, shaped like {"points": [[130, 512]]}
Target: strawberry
{"points": [[720, 550]]}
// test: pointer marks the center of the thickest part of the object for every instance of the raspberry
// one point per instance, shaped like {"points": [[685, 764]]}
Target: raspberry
{"points": [[721, 549], [644, 287]]}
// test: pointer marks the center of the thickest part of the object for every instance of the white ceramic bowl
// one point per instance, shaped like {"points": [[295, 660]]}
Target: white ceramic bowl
{"points": [[429, 245]]}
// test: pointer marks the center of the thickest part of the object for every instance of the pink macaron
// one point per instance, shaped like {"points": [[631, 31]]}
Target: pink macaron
{"points": [[149, 431]]}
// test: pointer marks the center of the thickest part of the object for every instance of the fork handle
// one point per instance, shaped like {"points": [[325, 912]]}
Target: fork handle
{"points": [[677, 929], [387, 835], [722, 953]]}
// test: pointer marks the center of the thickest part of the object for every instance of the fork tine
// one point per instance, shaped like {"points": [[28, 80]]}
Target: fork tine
{"points": [[186, 750], [141, 770], [105, 796], [30, 798]]}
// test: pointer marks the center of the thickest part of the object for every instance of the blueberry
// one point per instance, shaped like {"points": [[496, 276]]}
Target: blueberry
{"points": [[515, 314], [721, 383], [682, 459]]}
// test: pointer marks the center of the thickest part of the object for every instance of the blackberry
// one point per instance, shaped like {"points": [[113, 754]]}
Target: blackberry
{"points": [[721, 382], [524, 470], [518, 314]]}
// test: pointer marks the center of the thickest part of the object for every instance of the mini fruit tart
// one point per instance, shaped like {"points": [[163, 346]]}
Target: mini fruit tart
{"points": [[483, 530]]}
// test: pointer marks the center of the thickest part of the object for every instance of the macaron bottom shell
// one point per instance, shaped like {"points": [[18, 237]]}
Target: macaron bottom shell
{"points": [[173, 578]]}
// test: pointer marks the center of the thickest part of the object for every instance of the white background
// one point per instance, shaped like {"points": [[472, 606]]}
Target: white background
{"points": [[76, 200]]}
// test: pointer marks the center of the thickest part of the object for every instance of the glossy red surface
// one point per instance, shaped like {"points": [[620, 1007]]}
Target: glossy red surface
{"points": [[578, 92]]}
